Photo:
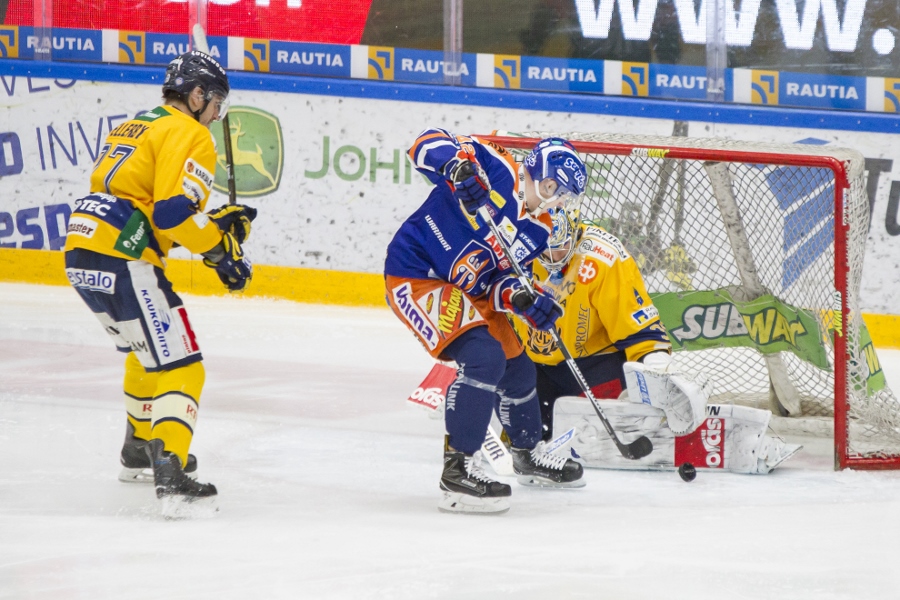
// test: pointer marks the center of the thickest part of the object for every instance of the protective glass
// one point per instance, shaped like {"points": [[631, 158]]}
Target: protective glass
{"points": [[220, 102], [563, 198]]}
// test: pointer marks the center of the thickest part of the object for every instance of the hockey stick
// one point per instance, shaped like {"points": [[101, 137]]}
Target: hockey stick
{"points": [[783, 396], [202, 45], [640, 447]]}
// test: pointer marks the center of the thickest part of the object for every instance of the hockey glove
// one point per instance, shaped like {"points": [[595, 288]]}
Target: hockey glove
{"points": [[234, 219], [230, 264], [539, 309], [658, 382], [469, 185]]}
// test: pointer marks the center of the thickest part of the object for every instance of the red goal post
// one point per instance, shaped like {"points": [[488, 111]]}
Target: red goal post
{"points": [[754, 254]]}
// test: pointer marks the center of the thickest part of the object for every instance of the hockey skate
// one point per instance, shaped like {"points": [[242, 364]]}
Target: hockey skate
{"points": [[136, 467], [180, 496], [539, 468], [467, 489]]}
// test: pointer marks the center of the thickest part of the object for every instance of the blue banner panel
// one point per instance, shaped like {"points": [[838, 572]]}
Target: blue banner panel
{"points": [[428, 66], [162, 48], [822, 91], [65, 44], [328, 60], [562, 75], [675, 81]]}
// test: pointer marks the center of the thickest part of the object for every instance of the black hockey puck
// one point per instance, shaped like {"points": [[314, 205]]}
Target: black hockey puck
{"points": [[687, 472]]}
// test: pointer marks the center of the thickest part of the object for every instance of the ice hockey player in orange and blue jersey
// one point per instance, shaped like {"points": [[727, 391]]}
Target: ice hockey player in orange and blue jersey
{"points": [[449, 282], [148, 192]]}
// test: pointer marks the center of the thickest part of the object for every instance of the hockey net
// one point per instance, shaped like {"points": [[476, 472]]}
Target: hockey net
{"points": [[753, 254]]}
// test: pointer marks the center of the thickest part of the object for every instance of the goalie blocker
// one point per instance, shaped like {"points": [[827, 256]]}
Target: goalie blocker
{"points": [[731, 438]]}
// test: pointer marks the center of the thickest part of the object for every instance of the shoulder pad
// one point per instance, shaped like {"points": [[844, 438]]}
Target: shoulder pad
{"points": [[599, 243]]}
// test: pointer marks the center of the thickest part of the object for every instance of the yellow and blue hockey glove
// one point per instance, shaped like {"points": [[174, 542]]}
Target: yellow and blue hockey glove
{"points": [[234, 219], [232, 267]]}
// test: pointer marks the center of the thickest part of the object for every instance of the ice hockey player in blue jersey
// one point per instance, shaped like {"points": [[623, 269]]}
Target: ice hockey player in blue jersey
{"points": [[448, 280]]}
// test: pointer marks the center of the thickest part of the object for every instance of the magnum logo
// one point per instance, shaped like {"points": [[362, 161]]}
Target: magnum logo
{"points": [[451, 311]]}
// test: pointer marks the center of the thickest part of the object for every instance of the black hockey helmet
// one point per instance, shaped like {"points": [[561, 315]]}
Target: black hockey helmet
{"points": [[193, 69]]}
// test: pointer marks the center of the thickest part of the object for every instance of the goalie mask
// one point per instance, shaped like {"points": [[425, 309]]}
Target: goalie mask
{"points": [[194, 69], [563, 237], [557, 159]]}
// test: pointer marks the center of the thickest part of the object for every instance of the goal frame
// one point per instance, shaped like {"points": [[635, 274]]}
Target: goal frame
{"points": [[839, 168]]}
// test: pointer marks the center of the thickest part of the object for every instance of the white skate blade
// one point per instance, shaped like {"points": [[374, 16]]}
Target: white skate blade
{"points": [[535, 481], [454, 502], [127, 475], [186, 507]]}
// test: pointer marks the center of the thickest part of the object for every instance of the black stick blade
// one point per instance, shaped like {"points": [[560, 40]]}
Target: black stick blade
{"points": [[637, 449]]}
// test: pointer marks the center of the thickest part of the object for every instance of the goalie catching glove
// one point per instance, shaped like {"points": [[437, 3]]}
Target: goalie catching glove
{"points": [[538, 308], [234, 219], [228, 259], [657, 382], [469, 184]]}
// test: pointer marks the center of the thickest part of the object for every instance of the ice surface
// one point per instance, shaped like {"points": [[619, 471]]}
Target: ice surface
{"points": [[328, 484]]}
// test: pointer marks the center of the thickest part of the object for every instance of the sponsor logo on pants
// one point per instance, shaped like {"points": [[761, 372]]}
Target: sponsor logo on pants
{"points": [[96, 281]]}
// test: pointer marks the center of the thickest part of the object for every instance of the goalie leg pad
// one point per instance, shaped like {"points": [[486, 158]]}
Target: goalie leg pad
{"points": [[681, 398], [731, 438]]}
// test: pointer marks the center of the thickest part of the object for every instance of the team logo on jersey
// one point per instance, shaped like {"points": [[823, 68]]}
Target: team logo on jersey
{"points": [[540, 342], [470, 265], [257, 146], [587, 271], [638, 298]]}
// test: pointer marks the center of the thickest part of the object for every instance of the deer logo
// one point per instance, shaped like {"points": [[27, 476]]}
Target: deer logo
{"points": [[244, 158]]}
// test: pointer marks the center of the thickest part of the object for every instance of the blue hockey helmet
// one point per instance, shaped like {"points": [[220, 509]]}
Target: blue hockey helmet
{"points": [[557, 159], [193, 69]]}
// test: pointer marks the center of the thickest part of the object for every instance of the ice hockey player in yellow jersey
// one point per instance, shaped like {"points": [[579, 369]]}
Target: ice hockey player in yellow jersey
{"points": [[613, 331], [148, 193], [608, 320]]}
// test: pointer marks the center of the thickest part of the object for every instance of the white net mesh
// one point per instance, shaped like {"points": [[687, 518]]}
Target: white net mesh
{"points": [[669, 215]]}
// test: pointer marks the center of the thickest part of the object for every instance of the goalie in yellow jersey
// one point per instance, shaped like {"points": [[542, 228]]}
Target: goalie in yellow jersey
{"points": [[615, 335], [148, 192], [608, 320]]}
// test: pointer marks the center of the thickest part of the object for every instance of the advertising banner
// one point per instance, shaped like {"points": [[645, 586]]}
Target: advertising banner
{"points": [[818, 54], [330, 175]]}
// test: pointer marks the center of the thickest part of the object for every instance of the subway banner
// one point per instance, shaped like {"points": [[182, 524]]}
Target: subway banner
{"points": [[331, 178], [816, 54]]}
